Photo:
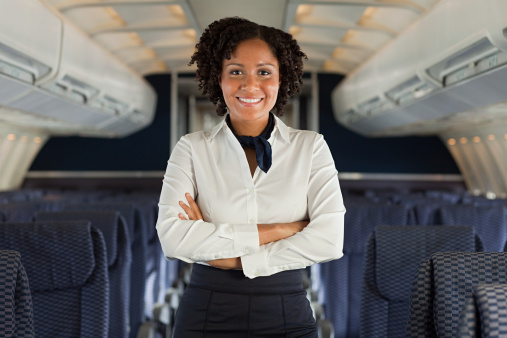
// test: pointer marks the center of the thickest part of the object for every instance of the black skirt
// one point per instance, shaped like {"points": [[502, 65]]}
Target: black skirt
{"points": [[225, 303]]}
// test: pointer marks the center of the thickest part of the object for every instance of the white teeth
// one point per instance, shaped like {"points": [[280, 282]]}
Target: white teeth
{"points": [[249, 100]]}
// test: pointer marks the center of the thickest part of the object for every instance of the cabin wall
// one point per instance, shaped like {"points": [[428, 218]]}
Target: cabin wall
{"points": [[148, 150]]}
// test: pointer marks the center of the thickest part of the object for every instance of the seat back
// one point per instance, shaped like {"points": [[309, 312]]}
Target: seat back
{"points": [[2, 217], [489, 222], [444, 283], [16, 309], [393, 255], [66, 265], [119, 259], [25, 211], [138, 246], [341, 279], [485, 312]]}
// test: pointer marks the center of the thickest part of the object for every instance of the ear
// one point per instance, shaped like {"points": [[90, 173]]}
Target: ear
{"points": [[220, 80]]}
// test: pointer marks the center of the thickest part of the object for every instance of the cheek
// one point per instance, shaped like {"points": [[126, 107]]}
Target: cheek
{"points": [[226, 88], [273, 88]]}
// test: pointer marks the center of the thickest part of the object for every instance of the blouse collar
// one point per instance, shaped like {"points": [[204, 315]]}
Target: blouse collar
{"points": [[279, 126]]}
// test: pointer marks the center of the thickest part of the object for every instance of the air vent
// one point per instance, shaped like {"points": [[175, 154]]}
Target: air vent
{"points": [[351, 116], [464, 64], [136, 116], [483, 65], [79, 87], [19, 66], [117, 106], [410, 90], [374, 106]]}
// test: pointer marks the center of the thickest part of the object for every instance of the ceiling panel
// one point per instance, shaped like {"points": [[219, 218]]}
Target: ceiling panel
{"points": [[160, 35]]}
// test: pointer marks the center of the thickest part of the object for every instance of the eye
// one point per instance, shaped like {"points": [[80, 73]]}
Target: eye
{"points": [[235, 72], [264, 72]]}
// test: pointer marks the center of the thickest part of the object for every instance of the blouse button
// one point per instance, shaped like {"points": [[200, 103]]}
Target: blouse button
{"points": [[246, 252], [252, 221], [257, 272], [217, 256]]}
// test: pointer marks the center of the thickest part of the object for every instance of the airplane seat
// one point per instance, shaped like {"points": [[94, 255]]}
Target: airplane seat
{"points": [[485, 312], [66, 266], [426, 211], [16, 308], [341, 279], [442, 286], [132, 216], [393, 254], [489, 222], [411, 202], [483, 201], [25, 211], [119, 258], [444, 196], [21, 195], [2, 217], [155, 284]]}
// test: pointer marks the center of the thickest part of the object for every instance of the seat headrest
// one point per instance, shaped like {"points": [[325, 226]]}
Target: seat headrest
{"points": [[106, 221], [127, 210], [362, 218], [56, 255], [400, 249]]}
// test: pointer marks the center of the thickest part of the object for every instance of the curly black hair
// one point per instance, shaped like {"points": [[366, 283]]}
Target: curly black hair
{"points": [[220, 39]]}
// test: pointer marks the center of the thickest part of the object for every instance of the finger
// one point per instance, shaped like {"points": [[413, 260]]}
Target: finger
{"points": [[181, 216], [190, 213], [194, 206]]}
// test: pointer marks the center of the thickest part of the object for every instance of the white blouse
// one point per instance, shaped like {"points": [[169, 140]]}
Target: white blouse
{"points": [[302, 184]]}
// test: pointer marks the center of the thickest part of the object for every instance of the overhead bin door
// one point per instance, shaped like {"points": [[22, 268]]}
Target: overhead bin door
{"points": [[30, 39]]}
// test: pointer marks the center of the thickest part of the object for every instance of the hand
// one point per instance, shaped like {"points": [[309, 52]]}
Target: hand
{"points": [[274, 232], [227, 263], [192, 209], [290, 229]]}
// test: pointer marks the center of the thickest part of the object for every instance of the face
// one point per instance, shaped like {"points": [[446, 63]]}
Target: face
{"points": [[250, 81]]}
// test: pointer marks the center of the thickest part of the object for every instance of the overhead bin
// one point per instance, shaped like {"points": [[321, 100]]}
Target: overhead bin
{"points": [[454, 59], [53, 70], [28, 54]]}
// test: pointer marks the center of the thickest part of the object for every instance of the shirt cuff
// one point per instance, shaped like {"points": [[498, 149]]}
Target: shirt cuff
{"points": [[256, 265], [246, 238]]}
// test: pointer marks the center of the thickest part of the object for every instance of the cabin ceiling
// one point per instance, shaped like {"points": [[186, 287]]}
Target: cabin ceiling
{"points": [[158, 36]]}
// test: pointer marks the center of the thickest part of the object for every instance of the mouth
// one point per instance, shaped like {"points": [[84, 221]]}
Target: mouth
{"points": [[245, 100]]}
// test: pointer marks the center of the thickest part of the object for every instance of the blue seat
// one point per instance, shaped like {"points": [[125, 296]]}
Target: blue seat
{"points": [[442, 286], [66, 266], [16, 309], [489, 222], [155, 285], [341, 280], [25, 211], [138, 246], [119, 259], [157, 281], [393, 255], [485, 312]]}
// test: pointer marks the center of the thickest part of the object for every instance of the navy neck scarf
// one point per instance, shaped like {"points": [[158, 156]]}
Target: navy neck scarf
{"points": [[259, 143]]}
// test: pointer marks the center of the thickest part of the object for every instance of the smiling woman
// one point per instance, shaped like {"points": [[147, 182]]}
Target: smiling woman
{"points": [[252, 202], [250, 81]]}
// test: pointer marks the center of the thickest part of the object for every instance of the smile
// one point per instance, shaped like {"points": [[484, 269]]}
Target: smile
{"points": [[249, 100]]}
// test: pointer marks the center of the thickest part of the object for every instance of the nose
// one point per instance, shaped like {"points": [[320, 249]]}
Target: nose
{"points": [[250, 83]]}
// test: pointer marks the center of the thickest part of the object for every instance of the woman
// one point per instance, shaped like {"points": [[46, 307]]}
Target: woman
{"points": [[267, 198]]}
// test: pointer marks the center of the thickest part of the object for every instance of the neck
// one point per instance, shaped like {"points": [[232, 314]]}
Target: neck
{"points": [[249, 127]]}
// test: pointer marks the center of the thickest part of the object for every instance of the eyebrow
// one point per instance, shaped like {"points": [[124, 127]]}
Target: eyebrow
{"points": [[258, 65]]}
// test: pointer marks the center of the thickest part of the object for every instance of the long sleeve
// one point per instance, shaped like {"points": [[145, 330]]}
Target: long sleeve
{"points": [[322, 239], [193, 241]]}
